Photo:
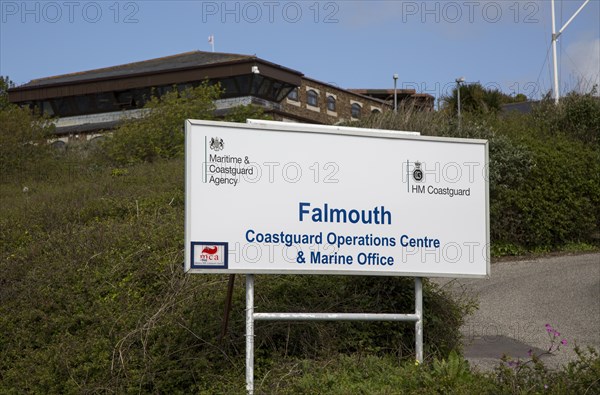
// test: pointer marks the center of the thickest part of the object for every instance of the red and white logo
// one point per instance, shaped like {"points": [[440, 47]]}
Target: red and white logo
{"points": [[209, 255]]}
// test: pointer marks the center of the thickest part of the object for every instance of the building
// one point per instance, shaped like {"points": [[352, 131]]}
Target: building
{"points": [[90, 102], [524, 107], [405, 97]]}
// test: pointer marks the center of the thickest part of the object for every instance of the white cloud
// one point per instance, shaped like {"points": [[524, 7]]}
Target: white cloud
{"points": [[581, 64]]}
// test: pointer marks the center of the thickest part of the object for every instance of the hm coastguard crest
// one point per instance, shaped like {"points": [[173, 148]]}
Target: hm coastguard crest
{"points": [[417, 172]]}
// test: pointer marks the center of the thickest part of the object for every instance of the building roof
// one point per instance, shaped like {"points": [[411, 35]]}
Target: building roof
{"points": [[521, 107], [382, 91], [180, 61], [127, 86], [356, 92], [169, 70]]}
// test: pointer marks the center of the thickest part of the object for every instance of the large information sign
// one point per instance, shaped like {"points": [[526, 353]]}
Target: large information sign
{"points": [[271, 197]]}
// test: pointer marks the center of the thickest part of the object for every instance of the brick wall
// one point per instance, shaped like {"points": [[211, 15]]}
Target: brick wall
{"points": [[301, 111]]}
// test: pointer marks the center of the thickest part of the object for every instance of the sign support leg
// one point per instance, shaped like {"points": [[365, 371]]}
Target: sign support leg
{"points": [[419, 322], [228, 301], [250, 334]]}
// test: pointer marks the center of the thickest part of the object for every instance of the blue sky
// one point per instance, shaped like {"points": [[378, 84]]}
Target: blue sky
{"points": [[352, 44]]}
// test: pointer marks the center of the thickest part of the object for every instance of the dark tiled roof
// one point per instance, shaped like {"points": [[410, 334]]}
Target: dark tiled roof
{"points": [[382, 91], [86, 127], [522, 107], [388, 94], [167, 63]]}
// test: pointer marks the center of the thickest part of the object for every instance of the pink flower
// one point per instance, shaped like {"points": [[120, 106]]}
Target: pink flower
{"points": [[564, 342]]}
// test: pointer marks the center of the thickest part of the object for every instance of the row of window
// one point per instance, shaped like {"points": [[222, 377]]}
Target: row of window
{"points": [[312, 99], [238, 86]]}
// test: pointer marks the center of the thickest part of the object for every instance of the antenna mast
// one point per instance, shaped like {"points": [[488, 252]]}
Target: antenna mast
{"points": [[555, 36], [211, 41]]}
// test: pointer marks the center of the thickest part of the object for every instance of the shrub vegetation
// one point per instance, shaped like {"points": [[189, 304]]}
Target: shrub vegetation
{"points": [[544, 170], [93, 298]]}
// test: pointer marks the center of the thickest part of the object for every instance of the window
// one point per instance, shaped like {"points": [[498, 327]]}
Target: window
{"points": [[293, 95], [376, 111], [312, 98], [331, 103], [47, 108], [231, 87], [96, 141], [59, 145], [355, 110]]}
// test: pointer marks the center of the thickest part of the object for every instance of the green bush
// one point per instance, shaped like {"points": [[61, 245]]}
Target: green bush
{"points": [[556, 201], [559, 202], [23, 148], [577, 116], [369, 374], [531, 376], [477, 99], [159, 134], [544, 171], [94, 298], [352, 294]]}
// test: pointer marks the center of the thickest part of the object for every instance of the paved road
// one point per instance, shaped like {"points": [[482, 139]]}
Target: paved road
{"points": [[520, 298]]}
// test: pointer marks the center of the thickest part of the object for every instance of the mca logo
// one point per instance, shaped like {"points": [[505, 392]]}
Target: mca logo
{"points": [[210, 250], [209, 255]]}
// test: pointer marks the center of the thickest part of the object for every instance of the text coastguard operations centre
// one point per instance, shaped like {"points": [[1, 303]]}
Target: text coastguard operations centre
{"points": [[327, 214]]}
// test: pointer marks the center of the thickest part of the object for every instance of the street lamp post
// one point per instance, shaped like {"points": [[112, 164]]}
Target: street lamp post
{"points": [[459, 81], [395, 93]]}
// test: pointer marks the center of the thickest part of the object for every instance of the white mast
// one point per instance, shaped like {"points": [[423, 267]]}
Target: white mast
{"points": [[211, 41], [555, 36]]}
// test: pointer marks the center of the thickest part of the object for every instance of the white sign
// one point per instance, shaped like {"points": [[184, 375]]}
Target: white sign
{"points": [[274, 197]]}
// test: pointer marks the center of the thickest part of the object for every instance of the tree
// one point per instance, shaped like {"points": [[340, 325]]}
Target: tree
{"points": [[160, 134], [475, 98], [5, 85], [242, 113], [22, 140], [577, 115]]}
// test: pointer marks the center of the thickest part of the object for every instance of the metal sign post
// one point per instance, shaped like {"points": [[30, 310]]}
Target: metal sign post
{"points": [[417, 317], [419, 320], [250, 333]]}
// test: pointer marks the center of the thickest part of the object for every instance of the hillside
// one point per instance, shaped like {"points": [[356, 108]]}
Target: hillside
{"points": [[93, 298]]}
